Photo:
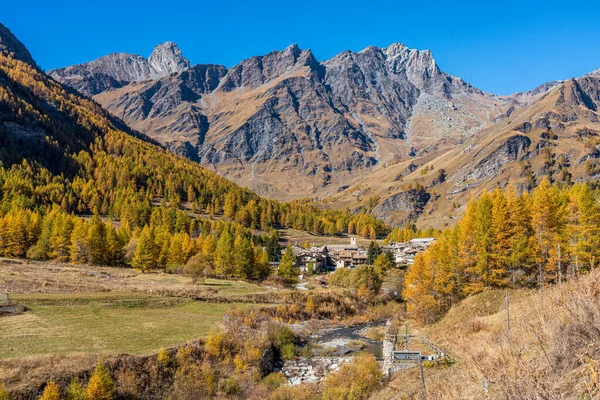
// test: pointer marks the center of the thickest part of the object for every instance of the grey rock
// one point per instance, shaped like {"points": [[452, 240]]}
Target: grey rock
{"points": [[118, 69], [410, 201]]}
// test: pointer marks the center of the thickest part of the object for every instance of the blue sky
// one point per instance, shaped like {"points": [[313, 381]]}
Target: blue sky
{"points": [[501, 47]]}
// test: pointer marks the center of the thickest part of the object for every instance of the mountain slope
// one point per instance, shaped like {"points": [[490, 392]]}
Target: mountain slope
{"points": [[118, 69], [555, 136], [287, 125], [61, 152]]}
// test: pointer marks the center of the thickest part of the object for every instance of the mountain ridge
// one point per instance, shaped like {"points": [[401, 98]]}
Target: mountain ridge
{"points": [[286, 125]]}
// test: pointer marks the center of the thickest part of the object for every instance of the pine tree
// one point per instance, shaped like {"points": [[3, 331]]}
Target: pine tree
{"points": [[51, 392], [287, 267], [382, 264], [373, 252], [419, 290], [224, 256], [97, 241], [75, 391], [243, 257], [114, 247], [145, 252], [79, 251], [262, 268], [548, 219], [272, 246], [100, 386], [16, 237]]}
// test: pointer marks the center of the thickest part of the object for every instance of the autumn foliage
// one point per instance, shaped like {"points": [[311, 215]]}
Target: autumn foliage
{"points": [[508, 240]]}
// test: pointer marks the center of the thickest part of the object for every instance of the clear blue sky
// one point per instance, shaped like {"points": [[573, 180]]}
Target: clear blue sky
{"points": [[500, 47]]}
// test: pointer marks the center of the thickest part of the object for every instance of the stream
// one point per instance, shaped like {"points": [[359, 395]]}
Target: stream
{"points": [[344, 340], [330, 348]]}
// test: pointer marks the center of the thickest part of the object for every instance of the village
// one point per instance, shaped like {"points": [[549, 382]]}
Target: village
{"points": [[330, 257]]}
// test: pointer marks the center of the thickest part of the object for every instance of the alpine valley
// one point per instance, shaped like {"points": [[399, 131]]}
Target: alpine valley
{"points": [[383, 129]]}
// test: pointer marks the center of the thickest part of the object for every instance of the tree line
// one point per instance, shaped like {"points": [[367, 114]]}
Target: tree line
{"points": [[78, 168], [508, 240]]}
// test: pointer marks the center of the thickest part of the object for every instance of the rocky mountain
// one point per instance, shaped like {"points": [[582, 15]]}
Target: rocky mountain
{"points": [[285, 124], [118, 69], [383, 130], [536, 93], [556, 136]]}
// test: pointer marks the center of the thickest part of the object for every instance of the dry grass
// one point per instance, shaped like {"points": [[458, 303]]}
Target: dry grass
{"points": [[295, 236], [553, 352], [24, 276]]}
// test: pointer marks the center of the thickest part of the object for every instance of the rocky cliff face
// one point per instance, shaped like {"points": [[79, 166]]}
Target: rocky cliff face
{"points": [[285, 124], [118, 69], [555, 136]]}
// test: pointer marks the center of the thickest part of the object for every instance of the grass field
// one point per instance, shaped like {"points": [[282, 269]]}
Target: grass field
{"points": [[295, 236], [20, 276], [105, 323]]}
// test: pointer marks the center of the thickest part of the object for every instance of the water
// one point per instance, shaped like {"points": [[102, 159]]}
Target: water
{"points": [[341, 339]]}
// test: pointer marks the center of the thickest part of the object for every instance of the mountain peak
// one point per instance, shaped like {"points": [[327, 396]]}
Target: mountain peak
{"points": [[292, 48], [595, 73], [395, 49], [167, 58], [11, 45]]}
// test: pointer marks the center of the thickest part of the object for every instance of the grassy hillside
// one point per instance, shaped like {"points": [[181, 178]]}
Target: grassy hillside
{"points": [[554, 137], [552, 352]]}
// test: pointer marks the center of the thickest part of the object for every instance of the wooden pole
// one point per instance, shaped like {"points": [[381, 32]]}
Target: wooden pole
{"points": [[507, 319], [406, 337], [559, 267], [423, 387], [541, 279]]}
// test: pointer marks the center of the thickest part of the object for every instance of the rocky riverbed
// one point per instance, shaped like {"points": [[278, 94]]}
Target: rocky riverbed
{"points": [[330, 348]]}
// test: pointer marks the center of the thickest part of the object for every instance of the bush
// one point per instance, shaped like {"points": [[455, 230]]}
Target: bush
{"points": [[355, 380], [3, 392], [274, 380], [282, 337], [198, 267], [288, 352], [363, 277]]}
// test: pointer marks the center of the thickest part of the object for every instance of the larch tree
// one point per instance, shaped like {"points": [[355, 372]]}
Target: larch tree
{"points": [[287, 267], [51, 392], [145, 251], [100, 385]]}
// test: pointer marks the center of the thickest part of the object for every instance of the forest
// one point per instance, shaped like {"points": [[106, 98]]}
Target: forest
{"points": [[77, 186], [507, 240]]}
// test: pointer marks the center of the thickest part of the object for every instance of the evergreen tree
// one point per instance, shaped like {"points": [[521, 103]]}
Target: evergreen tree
{"points": [[243, 257], [224, 256], [145, 251], [75, 391], [51, 392], [287, 267], [382, 264], [100, 386], [272, 246], [373, 252]]}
